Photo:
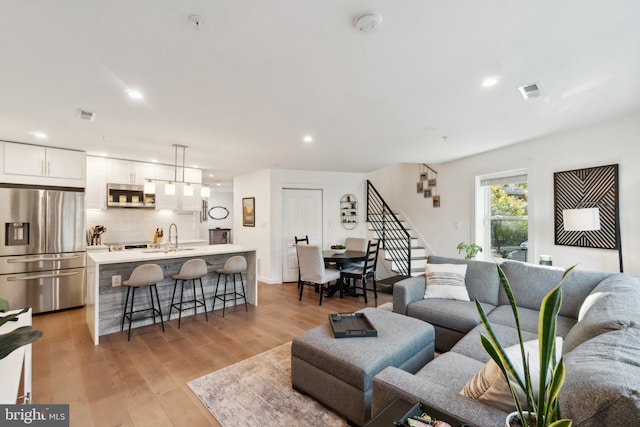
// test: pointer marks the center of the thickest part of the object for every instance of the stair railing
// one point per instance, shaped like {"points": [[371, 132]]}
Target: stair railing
{"points": [[394, 236]]}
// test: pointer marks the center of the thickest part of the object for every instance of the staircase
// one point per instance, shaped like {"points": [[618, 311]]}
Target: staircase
{"points": [[401, 251]]}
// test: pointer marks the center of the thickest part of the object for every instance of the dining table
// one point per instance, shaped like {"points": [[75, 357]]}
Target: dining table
{"points": [[341, 259]]}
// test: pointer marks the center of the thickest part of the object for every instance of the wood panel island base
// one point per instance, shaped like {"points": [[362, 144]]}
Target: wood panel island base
{"points": [[105, 302]]}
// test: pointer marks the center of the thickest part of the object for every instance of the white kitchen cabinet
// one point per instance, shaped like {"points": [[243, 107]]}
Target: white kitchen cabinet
{"points": [[129, 172], [36, 164], [96, 189], [178, 201]]}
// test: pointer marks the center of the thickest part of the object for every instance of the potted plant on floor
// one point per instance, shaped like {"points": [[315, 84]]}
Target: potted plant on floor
{"points": [[18, 337], [470, 250], [544, 410]]}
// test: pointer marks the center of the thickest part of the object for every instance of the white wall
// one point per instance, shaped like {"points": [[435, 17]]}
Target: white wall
{"points": [[267, 186], [615, 141], [224, 199]]}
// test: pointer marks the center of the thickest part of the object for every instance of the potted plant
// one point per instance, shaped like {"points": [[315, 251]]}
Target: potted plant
{"points": [[543, 411], [471, 250], [18, 337]]}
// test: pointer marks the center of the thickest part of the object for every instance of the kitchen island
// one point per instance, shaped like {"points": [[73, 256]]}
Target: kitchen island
{"points": [[106, 271]]}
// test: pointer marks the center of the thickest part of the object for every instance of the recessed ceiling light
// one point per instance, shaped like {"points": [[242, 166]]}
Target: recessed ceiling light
{"points": [[134, 94], [491, 81], [211, 175], [38, 134], [154, 160], [308, 138], [103, 154], [218, 184]]}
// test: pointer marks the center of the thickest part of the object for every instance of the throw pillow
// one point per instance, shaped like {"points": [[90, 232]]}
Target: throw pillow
{"points": [[490, 387], [446, 281]]}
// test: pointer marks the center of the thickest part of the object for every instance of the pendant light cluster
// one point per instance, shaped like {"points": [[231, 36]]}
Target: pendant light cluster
{"points": [[170, 186]]}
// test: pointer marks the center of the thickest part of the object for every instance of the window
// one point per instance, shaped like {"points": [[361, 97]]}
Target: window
{"points": [[504, 215]]}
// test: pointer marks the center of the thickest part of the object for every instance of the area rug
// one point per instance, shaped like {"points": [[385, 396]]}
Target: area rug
{"points": [[257, 391]]}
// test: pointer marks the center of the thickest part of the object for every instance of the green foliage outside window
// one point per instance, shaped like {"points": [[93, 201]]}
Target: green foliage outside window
{"points": [[508, 218]]}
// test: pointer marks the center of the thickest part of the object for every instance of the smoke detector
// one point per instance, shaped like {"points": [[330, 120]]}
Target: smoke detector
{"points": [[89, 116], [368, 23], [532, 90]]}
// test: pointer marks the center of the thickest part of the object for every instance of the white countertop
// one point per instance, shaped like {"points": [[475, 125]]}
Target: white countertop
{"points": [[136, 255]]}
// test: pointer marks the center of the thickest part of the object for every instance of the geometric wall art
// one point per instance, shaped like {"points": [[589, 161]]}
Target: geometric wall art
{"points": [[595, 187]]}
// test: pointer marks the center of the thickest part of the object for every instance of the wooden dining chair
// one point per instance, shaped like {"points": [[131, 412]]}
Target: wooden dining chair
{"points": [[365, 272], [312, 269]]}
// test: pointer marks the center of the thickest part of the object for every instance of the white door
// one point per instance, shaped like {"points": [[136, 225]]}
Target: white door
{"points": [[302, 217]]}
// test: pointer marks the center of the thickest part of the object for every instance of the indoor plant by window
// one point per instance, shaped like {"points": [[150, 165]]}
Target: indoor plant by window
{"points": [[470, 250], [18, 337], [543, 411]]}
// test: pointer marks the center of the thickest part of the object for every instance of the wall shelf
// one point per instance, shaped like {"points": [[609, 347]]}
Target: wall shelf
{"points": [[349, 211]]}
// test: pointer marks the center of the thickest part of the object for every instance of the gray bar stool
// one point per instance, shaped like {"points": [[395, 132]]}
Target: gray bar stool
{"points": [[190, 270], [146, 275], [234, 265]]}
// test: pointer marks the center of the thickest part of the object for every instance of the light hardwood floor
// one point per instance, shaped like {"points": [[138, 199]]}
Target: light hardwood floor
{"points": [[143, 382]]}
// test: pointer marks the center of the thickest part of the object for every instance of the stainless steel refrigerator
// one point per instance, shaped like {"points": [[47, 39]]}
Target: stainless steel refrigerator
{"points": [[42, 248]]}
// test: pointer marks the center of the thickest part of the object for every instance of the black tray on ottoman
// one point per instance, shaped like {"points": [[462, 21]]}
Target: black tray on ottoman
{"points": [[346, 325]]}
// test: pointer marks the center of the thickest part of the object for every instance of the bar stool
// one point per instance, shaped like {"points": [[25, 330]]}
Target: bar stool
{"points": [[190, 270], [146, 275], [234, 265]]}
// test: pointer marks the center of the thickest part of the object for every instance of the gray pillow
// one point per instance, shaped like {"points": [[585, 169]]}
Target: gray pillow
{"points": [[602, 383], [612, 305]]}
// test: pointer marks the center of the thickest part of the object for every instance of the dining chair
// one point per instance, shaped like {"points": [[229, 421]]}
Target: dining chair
{"points": [[304, 239], [365, 272], [312, 269], [355, 244]]}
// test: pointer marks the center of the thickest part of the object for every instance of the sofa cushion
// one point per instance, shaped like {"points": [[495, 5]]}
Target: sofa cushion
{"points": [[482, 277], [528, 319], [450, 370], [612, 305], [531, 282], [460, 316], [602, 382], [446, 281], [470, 345], [489, 385]]}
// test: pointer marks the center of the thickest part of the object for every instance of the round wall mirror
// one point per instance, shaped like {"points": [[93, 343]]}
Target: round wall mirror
{"points": [[218, 212]]}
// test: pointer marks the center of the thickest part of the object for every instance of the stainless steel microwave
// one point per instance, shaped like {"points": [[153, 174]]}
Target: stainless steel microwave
{"points": [[129, 196]]}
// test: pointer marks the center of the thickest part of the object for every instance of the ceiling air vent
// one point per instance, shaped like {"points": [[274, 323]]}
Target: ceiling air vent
{"points": [[532, 90], [87, 115]]}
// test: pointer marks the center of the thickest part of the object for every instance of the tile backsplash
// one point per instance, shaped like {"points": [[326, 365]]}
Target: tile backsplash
{"points": [[138, 225]]}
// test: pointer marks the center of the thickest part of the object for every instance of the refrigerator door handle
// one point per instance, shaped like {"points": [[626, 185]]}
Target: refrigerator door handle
{"points": [[40, 276], [41, 258]]}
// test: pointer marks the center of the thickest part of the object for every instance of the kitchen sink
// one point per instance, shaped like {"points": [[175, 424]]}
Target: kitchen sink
{"points": [[157, 251]]}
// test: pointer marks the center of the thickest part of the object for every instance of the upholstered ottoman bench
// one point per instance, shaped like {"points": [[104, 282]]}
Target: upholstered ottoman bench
{"points": [[338, 371]]}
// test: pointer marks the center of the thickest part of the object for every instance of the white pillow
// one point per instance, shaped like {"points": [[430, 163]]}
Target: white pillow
{"points": [[446, 281], [489, 386]]}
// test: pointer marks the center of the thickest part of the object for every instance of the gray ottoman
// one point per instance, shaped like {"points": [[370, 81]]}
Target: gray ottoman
{"points": [[338, 371]]}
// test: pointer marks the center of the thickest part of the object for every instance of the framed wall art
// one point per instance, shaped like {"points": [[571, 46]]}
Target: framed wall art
{"points": [[594, 189], [249, 211]]}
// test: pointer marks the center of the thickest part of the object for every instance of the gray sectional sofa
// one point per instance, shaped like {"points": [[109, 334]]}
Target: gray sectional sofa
{"points": [[601, 350]]}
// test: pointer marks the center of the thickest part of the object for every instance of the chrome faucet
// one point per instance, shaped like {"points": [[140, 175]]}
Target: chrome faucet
{"points": [[176, 227]]}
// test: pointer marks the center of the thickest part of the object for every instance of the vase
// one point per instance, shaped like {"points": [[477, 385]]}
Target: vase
{"points": [[508, 422]]}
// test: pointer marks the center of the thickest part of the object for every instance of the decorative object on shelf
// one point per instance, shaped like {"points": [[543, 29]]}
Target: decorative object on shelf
{"points": [[218, 213], [470, 250], [428, 189], [542, 403], [587, 212], [249, 211], [349, 211]]}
